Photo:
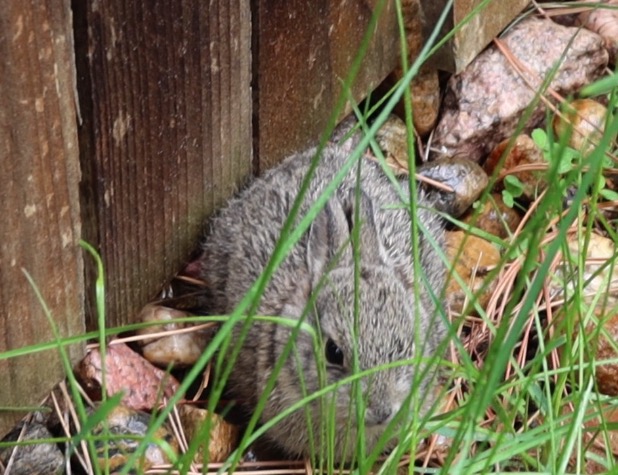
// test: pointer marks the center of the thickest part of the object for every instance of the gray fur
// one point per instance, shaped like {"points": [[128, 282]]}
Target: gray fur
{"points": [[241, 240]]}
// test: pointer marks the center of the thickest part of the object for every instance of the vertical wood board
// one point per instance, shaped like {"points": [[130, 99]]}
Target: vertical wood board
{"points": [[40, 225], [483, 27], [165, 89], [475, 34], [305, 52]]}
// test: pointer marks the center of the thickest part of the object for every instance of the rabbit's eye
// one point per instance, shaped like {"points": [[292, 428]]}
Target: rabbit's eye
{"points": [[334, 355], [348, 217]]}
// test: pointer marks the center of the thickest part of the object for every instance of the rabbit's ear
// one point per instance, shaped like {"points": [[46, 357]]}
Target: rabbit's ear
{"points": [[371, 248], [331, 237]]}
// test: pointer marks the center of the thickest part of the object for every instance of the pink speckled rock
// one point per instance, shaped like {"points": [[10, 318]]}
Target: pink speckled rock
{"points": [[484, 103]]}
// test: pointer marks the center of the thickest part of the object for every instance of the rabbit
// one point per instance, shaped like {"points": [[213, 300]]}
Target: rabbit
{"points": [[395, 321]]}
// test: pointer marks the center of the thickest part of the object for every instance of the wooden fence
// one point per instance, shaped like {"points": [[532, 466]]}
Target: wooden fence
{"points": [[126, 123]]}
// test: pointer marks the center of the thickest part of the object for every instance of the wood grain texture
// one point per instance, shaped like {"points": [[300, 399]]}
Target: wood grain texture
{"points": [[483, 27], [165, 90], [40, 225], [305, 51], [474, 35]]}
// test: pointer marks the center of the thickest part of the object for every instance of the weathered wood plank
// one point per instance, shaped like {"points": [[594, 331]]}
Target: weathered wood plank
{"points": [[305, 51], [40, 225], [475, 34], [165, 89]]}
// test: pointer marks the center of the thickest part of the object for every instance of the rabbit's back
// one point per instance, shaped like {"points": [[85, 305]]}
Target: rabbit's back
{"points": [[243, 235]]}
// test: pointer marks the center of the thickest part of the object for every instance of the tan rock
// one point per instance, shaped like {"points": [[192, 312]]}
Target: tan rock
{"points": [[473, 259], [523, 151], [173, 348], [494, 218], [598, 277], [583, 123], [219, 442]]}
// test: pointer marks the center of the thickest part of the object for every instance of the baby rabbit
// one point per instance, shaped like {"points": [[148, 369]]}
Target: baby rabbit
{"points": [[394, 322]]}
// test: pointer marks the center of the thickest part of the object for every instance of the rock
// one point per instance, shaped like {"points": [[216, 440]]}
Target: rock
{"points": [[473, 259], [597, 275], [584, 123], [178, 349], [425, 92], [484, 103], [425, 87], [522, 152], [143, 384], [466, 178], [425, 95], [123, 421], [494, 218], [392, 138], [603, 19], [412, 14], [42, 458], [218, 443]]}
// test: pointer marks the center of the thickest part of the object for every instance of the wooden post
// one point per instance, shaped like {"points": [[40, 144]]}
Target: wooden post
{"points": [[166, 100], [40, 224]]}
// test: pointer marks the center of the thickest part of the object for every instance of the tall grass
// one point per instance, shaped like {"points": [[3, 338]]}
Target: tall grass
{"points": [[523, 399]]}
